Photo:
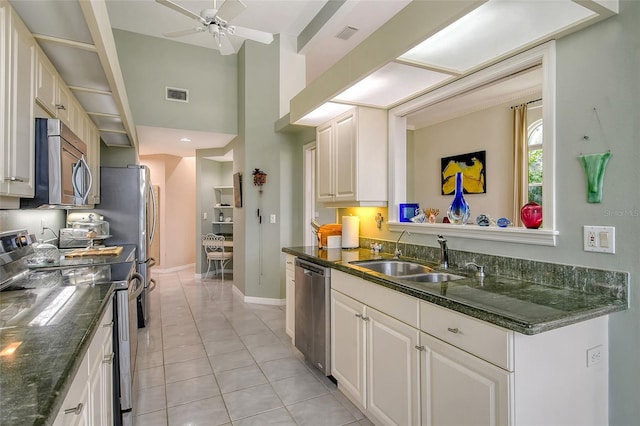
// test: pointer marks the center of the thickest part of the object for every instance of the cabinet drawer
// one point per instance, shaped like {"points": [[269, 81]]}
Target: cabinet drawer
{"points": [[481, 339], [291, 264], [392, 303]]}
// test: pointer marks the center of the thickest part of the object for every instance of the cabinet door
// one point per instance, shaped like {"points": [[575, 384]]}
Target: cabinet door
{"points": [[290, 295], [347, 345], [93, 152], [18, 165], [46, 83], [63, 106], [393, 366], [345, 158], [461, 389], [324, 163], [75, 410]]}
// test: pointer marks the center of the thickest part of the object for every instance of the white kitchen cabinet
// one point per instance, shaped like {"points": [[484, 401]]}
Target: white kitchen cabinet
{"points": [[290, 297], [17, 152], [89, 400], [375, 359], [46, 83], [351, 159], [469, 371], [458, 388]]}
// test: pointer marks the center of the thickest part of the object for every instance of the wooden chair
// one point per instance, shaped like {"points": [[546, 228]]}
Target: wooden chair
{"points": [[214, 248]]}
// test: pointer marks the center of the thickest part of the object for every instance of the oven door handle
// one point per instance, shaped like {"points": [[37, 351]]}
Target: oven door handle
{"points": [[138, 291]]}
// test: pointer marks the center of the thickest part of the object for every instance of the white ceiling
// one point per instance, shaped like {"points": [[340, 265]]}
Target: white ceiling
{"points": [[287, 17]]}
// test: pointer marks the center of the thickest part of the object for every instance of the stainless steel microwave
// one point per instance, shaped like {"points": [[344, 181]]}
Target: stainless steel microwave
{"points": [[62, 174]]}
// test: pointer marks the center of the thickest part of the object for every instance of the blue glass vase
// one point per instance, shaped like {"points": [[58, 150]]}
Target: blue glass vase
{"points": [[459, 211]]}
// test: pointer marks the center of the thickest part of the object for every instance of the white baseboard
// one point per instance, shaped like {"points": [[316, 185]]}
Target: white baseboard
{"points": [[213, 274], [258, 300], [174, 269]]}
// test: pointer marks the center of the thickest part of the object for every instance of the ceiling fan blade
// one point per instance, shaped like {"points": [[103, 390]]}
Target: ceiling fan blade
{"points": [[230, 9], [180, 9], [255, 35], [181, 33], [225, 46]]}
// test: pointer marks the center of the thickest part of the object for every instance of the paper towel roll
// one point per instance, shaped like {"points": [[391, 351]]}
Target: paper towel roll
{"points": [[350, 231]]}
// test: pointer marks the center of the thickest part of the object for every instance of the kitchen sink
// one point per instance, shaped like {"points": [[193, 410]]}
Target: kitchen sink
{"points": [[432, 277], [393, 268]]}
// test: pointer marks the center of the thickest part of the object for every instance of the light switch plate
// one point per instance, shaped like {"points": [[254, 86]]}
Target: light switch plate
{"points": [[601, 239]]}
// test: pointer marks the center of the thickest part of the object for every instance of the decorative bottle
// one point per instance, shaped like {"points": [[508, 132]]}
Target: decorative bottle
{"points": [[459, 211], [221, 217]]}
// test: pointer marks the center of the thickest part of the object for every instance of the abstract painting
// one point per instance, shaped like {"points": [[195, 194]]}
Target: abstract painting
{"points": [[473, 169]]}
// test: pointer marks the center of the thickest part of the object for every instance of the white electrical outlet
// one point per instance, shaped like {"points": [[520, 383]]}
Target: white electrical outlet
{"points": [[601, 239], [594, 355], [272, 218], [204, 216]]}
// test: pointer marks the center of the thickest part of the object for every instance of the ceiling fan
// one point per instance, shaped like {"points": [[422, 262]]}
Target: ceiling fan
{"points": [[216, 22]]}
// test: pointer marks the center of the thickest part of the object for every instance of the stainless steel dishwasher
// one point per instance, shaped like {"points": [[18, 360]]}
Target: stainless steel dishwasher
{"points": [[313, 314]]}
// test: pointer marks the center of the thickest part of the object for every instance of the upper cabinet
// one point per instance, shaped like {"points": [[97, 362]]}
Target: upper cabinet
{"points": [[17, 154], [351, 159], [27, 77]]}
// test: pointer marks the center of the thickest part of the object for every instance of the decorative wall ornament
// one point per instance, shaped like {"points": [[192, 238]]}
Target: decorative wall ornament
{"points": [[259, 178], [594, 167]]}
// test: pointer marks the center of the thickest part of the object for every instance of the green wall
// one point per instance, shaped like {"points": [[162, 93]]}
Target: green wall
{"points": [[150, 64]]}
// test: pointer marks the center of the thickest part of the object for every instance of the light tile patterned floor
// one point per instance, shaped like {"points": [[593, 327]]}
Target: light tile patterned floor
{"points": [[208, 358]]}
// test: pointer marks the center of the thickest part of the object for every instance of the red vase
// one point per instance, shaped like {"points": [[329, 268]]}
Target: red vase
{"points": [[531, 215]]}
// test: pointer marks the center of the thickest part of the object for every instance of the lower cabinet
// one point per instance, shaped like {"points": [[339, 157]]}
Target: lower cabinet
{"points": [[290, 296], [416, 363], [461, 389], [365, 344], [89, 400]]}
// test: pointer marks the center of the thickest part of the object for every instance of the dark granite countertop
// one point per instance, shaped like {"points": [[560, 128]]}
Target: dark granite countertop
{"points": [[49, 346], [522, 306]]}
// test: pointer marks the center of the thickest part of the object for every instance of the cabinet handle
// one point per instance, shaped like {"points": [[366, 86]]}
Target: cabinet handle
{"points": [[108, 359], [108, 325], [76, 410], [365, 318], [453, 330], [61, 106], [359, 315], [420, 348], [15, 179]]}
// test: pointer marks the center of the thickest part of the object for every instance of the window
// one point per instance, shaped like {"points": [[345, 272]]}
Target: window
{"points": [[534, 142]]}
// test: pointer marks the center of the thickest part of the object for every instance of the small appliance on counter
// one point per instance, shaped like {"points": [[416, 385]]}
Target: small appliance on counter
{"points": [[84, 230]]}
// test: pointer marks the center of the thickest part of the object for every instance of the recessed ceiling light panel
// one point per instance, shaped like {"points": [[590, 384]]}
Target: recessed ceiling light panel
{"points": [[495, 29]]}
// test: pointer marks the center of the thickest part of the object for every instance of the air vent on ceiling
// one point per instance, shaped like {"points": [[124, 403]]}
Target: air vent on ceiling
{"points": [[346, 33], [178, 95]]}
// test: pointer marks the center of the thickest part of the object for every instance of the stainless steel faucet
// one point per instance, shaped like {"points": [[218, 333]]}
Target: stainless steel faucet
{"points": [[479, 269], [444, 252], [397, 253]]}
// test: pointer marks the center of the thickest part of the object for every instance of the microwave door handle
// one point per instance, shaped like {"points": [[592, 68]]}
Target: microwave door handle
{"points": [[85, 167], [155, 214], [81, 166]]}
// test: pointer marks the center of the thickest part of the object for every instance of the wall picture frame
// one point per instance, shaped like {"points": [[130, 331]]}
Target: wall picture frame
{"points": [[473, 168]]}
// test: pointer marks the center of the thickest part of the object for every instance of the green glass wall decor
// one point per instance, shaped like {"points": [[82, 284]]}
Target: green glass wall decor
{"points": [[594, 166]]}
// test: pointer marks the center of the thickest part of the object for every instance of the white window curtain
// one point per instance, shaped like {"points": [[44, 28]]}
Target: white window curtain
{"points": [[520, 162]]}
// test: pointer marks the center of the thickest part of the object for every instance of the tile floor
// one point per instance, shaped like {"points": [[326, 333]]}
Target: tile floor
{"points": [[208, 358]]}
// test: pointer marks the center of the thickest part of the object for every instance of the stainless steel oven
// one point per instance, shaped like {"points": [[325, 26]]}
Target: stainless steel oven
{"points": [[125, 340]]}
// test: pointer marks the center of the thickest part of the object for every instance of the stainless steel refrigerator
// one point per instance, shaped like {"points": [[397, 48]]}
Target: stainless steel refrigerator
{"points": [[128, 203]]}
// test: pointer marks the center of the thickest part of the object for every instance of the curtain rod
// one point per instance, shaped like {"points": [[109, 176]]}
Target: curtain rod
{"points": [[526, 103]]}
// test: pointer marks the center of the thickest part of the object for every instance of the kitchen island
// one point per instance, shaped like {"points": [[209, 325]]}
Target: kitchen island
{"points": [[47, 325]]}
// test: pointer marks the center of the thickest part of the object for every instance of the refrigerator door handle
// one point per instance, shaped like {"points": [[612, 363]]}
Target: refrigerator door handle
{"points": [[152, 285], [155, 213]]}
